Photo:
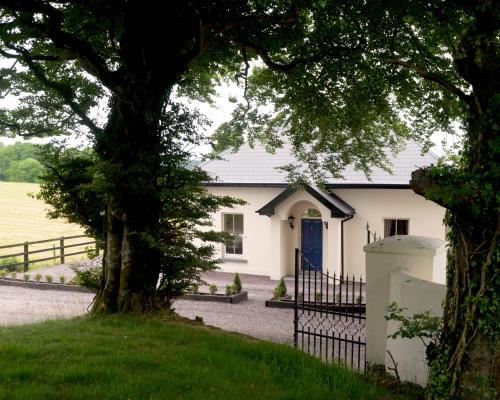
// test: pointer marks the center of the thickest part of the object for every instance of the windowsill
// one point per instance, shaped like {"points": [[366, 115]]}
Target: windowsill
{"points": [[235, 260]]}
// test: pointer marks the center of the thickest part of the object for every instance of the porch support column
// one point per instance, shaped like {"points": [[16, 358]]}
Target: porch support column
{"points": [[332, 246], [279, 247]]}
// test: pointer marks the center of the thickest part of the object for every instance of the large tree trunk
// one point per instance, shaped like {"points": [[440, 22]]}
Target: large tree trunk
{"points": [[466, 364], [129, 150]]}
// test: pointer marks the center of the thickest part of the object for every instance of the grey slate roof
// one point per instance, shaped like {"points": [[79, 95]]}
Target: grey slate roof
{"points": [[255, 166]]}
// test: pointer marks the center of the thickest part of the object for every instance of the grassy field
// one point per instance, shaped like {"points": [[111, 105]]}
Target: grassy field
{"points": [[23, 218], [125, 357]]}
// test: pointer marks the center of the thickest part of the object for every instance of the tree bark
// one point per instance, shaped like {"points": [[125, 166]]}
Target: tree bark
{"points": [[466, 363], [129, 150]]}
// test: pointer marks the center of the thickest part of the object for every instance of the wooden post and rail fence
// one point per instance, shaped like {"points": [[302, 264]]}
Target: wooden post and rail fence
{"points": [[60, 249]]}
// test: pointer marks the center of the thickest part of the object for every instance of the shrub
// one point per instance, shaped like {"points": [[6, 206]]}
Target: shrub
{"points": [[212, 289], [2, 273], [280, 290], [38, 277], [300, 297], [359, 300], [231, 289], [8, 262], [26, 277], [62, 279], [338, 298], [88, 274], [13, 275], [48, 278], [237, 283], [194, 288], [317, 296], [91, 252]]}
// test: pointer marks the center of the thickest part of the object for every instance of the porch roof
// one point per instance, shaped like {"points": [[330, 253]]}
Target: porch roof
{"points": [[338, 207]]}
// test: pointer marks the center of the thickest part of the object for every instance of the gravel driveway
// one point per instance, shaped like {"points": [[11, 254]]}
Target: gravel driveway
{"points": [[249, 317], [20, 306]]}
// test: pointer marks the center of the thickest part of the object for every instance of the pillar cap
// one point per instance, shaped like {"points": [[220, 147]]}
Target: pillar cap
{"points": [[407, 244]]}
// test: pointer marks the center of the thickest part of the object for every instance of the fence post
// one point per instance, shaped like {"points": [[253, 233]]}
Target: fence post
{"points": [[26, 257], [61, 245], [296, 301]]}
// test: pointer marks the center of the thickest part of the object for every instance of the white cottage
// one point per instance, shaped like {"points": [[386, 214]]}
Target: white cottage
{"points": [[329, 226]]}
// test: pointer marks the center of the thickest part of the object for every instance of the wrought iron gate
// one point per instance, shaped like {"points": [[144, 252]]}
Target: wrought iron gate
{"points": [[330, 315]]}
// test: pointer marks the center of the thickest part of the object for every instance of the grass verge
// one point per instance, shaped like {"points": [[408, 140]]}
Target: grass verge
{"points": [[126, 357]]}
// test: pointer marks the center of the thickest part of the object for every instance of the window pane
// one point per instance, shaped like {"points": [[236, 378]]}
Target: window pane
{"points": [[238, 246], [402, 227], [389, 227], [311, 213], [238, 224], [228, 223], [229, 248]]}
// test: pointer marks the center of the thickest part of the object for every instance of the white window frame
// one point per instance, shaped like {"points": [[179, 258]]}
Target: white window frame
{"points": [[396, 219], [242, 236]]}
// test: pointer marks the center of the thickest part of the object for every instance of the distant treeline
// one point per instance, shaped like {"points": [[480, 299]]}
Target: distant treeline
{"points": [[20, 162]]}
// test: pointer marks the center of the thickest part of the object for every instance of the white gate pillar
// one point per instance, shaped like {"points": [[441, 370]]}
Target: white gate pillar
{"points": [[419, 256]]}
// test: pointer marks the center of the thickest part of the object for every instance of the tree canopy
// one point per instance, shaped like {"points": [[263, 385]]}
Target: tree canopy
{"points": [[340, 79], [20, 162]]}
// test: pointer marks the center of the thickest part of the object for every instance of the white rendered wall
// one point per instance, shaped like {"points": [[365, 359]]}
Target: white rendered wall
{"points": [[269, 243], [416, 295], [375, 205], [399, 269], [257, 244]]}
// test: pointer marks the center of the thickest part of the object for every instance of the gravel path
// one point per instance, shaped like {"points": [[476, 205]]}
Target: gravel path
{"points": [[249, 317], [20, 306]]}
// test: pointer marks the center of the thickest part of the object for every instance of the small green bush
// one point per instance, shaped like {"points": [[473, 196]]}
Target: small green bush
{"points": [[2, 273], [38, 277], [359, 300], [13, 275], [280, 290], [91, 252], [212, 289], [317, 296], [48, 278], [231, 289], [89, 273], [237, 283], [8, 262], [338, 298], [300, 297], [26, 277], [195, 288], [62, 279]]}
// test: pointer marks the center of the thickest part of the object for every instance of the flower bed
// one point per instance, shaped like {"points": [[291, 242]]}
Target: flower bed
{"points": [[43, 285], [288, 302], [221, 298]]}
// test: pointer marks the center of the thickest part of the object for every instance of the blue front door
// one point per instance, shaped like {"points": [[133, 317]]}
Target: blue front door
{"points": [[312, 242]]}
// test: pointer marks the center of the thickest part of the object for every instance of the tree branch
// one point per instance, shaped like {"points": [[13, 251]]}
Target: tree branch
{"points": [[65, 91], [430, 76], [280, 65], [92, 62], [255, 18]]}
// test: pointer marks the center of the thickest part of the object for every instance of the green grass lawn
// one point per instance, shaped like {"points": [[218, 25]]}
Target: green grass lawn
{"points": [[124, 357]]}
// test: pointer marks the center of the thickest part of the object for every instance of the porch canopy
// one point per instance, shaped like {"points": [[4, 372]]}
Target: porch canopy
{"points": [[338, 207]]}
